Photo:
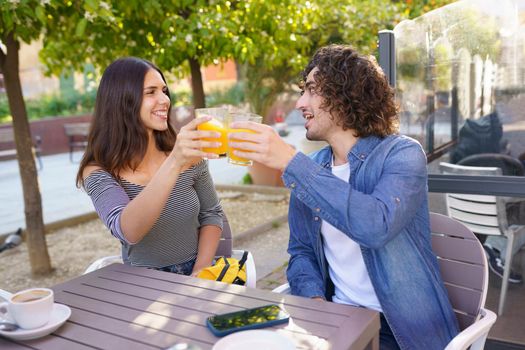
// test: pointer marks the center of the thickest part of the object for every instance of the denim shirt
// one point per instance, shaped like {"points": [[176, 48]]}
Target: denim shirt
{"points": [[384, 209]]}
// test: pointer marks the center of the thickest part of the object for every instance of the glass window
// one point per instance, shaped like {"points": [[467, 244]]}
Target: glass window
{"points": [[461, 80]]}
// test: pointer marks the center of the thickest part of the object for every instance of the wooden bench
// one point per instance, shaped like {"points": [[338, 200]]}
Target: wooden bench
{"points": [[77, 135], [7, 139]]}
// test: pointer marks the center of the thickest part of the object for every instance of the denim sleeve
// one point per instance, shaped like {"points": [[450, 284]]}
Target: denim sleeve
{"points": [[210, 207], [394, 186], [303, 271]]}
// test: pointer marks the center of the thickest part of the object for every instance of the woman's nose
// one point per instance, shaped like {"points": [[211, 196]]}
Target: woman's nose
{"points": [[164, 99]]}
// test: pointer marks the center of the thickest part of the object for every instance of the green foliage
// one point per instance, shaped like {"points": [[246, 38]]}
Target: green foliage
{"points": [[5, 114], [415, 8], [52, 105], [247, 179], [232, 96], [24, 18], [272, 38], [180, 97], [301, 29]]}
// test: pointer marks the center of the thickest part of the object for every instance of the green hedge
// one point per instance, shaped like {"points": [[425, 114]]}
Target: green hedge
{"points": [[233, 96], [71, 103]]}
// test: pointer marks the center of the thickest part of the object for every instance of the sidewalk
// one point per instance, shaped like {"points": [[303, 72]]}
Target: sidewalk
{"points": [[61, 199]]}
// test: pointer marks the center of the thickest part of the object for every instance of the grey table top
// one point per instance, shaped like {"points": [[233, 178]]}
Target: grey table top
{"points": [[124, 307]]}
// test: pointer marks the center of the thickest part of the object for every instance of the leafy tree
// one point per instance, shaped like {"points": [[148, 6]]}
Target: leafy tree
{"points": [[179, 36], [292, 31], [276, 36], [295, 30], [415, 8], [23, 22]]}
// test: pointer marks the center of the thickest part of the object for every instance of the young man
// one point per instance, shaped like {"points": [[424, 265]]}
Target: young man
{"points": [[359, 222]]}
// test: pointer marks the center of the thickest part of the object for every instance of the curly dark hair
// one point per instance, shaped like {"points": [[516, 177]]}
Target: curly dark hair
{"points": [[355, 91]]}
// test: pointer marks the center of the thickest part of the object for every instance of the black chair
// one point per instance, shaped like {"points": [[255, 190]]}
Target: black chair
{"points": [[8, 147], [509, 166]]}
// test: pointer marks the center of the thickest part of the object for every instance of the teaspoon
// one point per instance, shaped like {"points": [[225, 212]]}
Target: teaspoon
{"points": [[8, 326]]}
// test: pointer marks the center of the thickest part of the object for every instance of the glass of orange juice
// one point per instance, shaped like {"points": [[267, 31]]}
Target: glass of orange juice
{"points": [[219, 123], [241, 116]]}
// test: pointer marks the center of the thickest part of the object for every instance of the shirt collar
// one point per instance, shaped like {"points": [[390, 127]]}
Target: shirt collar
{"points": [[360, 151]]}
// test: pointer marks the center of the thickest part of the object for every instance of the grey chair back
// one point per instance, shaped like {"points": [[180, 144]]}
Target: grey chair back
{"points": [[482, 214], [463, 267], [225, 247]]}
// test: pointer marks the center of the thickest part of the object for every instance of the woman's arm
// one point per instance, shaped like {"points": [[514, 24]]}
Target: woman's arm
{"points": [[210, 217], [208, 242], [140, 214]]}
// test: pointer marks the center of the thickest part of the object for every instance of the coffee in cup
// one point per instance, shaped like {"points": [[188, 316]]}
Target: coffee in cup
{"points": [[30, 308]]}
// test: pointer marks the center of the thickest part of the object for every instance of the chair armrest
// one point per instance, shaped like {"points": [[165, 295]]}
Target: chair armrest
{"points": [[283, 289], [251, 273], [100, 263], [475, 335]]}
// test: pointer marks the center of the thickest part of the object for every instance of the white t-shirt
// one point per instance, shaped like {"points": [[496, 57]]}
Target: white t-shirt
{"points": [[345, 262]]}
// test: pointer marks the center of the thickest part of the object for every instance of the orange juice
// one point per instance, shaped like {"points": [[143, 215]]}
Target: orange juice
{"points": [[218, 126], [232, 158]]}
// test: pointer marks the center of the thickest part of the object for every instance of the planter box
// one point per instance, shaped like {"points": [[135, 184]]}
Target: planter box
{"points": [[51, 132]]}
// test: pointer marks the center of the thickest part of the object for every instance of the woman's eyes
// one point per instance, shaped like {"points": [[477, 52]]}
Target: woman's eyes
{"points": [[152, 92]]}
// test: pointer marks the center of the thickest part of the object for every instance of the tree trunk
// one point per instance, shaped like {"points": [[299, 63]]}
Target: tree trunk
{"points": [[35, 238], [196, 84]]}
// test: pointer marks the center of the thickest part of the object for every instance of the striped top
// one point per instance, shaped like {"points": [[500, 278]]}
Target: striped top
{"points": [[173, 239]]}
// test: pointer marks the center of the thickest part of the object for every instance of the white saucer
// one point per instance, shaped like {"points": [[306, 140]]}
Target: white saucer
{"points": [[59, 315], [254, 340]]}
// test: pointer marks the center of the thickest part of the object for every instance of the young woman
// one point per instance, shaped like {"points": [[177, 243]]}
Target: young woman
{"points": [[150, 186]]}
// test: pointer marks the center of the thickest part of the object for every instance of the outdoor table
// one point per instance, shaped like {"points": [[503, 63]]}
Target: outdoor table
{"points": [[125, 307]]}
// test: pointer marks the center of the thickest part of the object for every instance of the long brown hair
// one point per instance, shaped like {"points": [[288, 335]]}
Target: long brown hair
{"points": [[117, 138], [355, 91]]}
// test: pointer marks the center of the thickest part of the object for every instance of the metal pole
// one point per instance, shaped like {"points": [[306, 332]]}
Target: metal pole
{"points": [[387, 55]]}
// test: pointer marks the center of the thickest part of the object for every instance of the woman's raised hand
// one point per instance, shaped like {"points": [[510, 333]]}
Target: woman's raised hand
{"points": [[189, 144]]}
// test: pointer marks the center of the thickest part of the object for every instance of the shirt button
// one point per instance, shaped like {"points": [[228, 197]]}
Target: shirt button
{"points": [[397, 199], [292, 185], [362, 156], [318, 209], [316, 218]]}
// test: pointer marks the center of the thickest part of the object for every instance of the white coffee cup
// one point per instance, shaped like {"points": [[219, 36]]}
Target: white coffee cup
{"points": [[29, 309]]}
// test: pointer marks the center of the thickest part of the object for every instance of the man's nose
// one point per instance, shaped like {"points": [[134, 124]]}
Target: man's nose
{"points": [[301, 103]]}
